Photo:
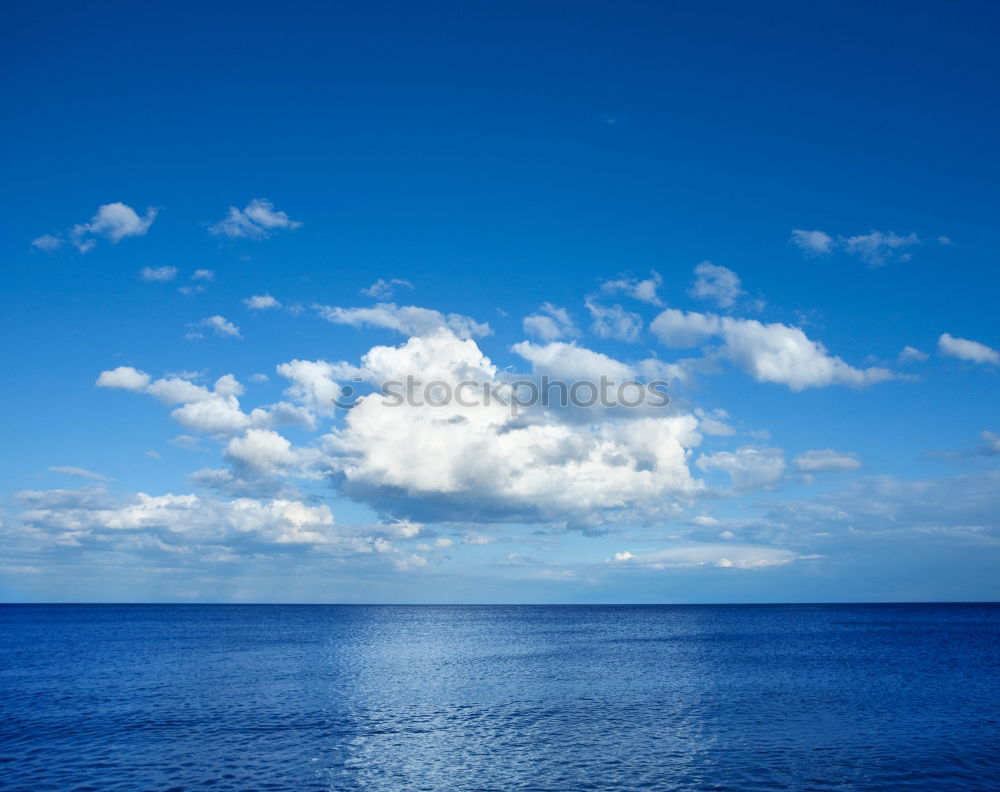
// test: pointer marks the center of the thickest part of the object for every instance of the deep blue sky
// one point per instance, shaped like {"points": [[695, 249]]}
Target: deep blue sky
{"points": [[498, 157]]}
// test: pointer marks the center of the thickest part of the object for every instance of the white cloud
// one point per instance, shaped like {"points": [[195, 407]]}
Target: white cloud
{"points": [[724, 556], [215, 415], [643, 290], [220, 325], [677, 328], [69, 470], [991, 443], [714, 423], [551, 323], [214, 411], [257, 220], [203, 274], [570, 362], [964, 349], [263, 452], [176, 522], [124, 377], [113, 221], [748, 467], [774, 352], [408, 319], [383, 289], [261, 302], [410, 562], [964, 507], [876, 248], [826, 460], [47, 242], [719, 284], [477, 540], [785, 355], [912, 355], [160, 274], [482, 461], [315, 382], [812, 243], [614, 322]]}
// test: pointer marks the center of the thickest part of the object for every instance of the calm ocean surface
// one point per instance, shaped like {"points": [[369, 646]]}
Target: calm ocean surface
{"points": [[828, 697]]}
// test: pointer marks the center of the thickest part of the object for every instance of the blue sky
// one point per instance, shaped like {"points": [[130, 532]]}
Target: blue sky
{"points": [[537, 190]]}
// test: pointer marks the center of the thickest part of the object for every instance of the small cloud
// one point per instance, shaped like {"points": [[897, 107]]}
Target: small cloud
{"points": [[643, 290], [991, 443], [69, 470], [614, 322], [912, 355], [408, 319], [203, 275], [812, 243], [220, 325], [410, 562], [748, 467], [826, 460], [382, 289], [153, 454], [158, 274], [258, 378], [477, 539], [719, 284], [964, 349], [261, 302], [184, 441], [550, 323], [257, 220], [113, 221], [945, 241], [47, 242], [876, 248]]}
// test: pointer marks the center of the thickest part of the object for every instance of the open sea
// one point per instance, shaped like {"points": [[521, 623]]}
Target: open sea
{"points": [[274, 697]]}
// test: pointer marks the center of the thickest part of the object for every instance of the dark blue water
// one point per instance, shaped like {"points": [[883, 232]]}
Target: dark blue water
{"points": [[869, 697]]}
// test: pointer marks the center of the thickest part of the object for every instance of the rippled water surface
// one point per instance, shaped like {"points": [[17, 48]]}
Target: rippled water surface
{"points": [[865, 697]]}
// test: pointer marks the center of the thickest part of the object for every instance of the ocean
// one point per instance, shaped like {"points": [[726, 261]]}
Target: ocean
{"points": [[274, 697]]}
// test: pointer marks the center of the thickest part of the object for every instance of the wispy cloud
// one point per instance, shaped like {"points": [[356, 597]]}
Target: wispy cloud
{"points": [[964, 349], [383, 289], [643, 290], [407, 319], [219, 325], [718, 284], [113, 221], [261, 302], [78, 472], [158, 274], [257, 220], [876, 248], [550, 323]]}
